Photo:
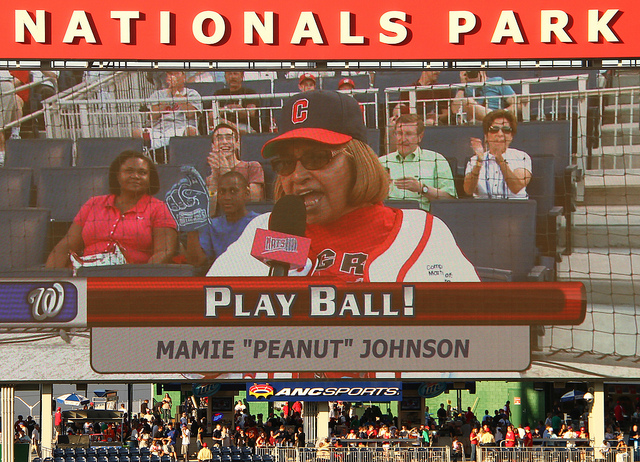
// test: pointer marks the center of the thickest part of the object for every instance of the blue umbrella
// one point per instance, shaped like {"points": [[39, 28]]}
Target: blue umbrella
{"points": [[572, 396], [73, 399]]}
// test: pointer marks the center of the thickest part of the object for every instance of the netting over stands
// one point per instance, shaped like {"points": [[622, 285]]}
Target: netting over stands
{"points": [[581, 131]]}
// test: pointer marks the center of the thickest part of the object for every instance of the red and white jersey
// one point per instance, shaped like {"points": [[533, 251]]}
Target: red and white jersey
{"points": [[371, 244]]}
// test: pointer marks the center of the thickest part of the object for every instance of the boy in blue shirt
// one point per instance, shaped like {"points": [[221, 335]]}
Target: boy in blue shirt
{"points": [[210, 241]]}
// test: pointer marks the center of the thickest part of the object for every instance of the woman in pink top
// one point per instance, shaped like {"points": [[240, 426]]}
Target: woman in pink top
{"points": [[128, 218]]}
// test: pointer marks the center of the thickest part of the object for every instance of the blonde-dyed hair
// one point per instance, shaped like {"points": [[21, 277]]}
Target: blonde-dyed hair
{"points": [[370, 181]]}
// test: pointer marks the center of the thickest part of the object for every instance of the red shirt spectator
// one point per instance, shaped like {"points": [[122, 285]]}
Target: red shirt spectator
{"points": [[510, 438]]}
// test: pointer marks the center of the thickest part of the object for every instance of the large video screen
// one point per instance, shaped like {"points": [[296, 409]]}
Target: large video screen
{"points": [[349, 218]]}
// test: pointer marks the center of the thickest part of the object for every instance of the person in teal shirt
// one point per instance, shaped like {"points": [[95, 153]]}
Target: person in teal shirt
{"points": [[416, 173]]}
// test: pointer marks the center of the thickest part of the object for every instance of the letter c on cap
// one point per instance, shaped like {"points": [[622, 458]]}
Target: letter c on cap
{"points": [[300, 111]]}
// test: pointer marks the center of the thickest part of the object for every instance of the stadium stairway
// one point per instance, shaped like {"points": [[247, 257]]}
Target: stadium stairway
{"points": [[620, 124], [606, 258]]}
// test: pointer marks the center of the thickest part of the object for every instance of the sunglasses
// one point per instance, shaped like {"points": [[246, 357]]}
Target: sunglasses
{"points": [[311, 160], [505, 129]]}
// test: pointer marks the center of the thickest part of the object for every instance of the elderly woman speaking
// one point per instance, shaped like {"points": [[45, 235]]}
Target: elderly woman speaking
{"points": [[321, 155]]}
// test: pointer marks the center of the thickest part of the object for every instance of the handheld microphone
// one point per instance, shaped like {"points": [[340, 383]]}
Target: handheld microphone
{"points": [[283, 245]]}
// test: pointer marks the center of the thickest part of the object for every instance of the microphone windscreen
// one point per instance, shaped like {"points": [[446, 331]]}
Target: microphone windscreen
{"points": [[289, 216]]}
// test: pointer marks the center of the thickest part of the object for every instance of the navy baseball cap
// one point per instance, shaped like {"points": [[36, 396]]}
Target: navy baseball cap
{"points": [[320, 115]]}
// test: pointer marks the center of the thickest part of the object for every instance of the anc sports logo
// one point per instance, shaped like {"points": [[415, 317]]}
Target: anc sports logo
{"points": [[261, 391]]}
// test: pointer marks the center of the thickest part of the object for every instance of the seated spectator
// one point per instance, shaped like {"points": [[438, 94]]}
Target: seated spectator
{"points": [[346, 84], [127, 224], [497, 171], [477, 101], [397, 111], [242, 111], [206, 76], [416, 173], [211, 241], [204, 454], [225, 157], [174, 112], [156, 448], [432, 103], [10, 107], [307, 82]]}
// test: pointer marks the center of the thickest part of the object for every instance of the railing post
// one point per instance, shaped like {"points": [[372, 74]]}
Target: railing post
{"points": [[583, 107]]}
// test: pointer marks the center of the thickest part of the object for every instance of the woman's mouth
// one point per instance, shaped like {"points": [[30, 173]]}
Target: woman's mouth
{"points": [[310, 198]]}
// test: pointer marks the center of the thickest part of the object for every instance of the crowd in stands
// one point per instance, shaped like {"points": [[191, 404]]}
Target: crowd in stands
{"points": [[494, 171]]}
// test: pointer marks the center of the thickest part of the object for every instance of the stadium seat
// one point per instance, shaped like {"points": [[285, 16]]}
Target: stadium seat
{"points": [[250, 150], [331, 83], [100, 152], [206, 88], [38, 154], [65, 190], [541, 188], [373, 139], [262, 87], [498, 234], [58, 452], [554, 139], [402, 204], [80, 451], [251, 146], [386, 79], [141, 270], [260, 207], [15, 187], [285, 86], [169, 175], [190, 150], [24, 234]]}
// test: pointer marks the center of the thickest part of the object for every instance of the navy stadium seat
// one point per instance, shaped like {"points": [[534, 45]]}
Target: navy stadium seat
{"points": [[15, 187], [190, 150], [100, 152], [285, 86], [65, 190], [169, 175], [260, 207], [141, 270], [24, 236], [362, 81], [206, 88], [498, 234], [38, 154]]}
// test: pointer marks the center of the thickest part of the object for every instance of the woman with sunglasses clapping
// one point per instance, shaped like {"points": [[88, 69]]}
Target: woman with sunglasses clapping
{"points": [[321, 155], [497, 171]]}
